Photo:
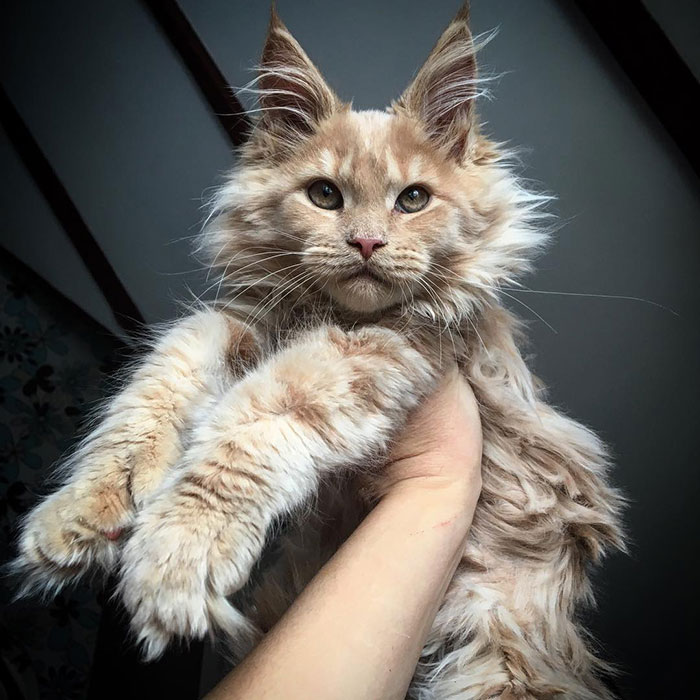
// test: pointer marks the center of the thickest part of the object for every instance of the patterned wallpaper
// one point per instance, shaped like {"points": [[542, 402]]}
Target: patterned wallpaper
{"points": [[53, 361]]}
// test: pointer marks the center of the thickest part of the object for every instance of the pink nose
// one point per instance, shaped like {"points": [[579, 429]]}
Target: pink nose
{"points": [[366, 246]]}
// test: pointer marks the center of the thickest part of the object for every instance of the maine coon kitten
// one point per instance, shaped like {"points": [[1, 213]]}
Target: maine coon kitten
{"points": [[360, 254]]}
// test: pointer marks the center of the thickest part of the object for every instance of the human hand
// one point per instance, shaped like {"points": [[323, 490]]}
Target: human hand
{"points": [[440, 446]]}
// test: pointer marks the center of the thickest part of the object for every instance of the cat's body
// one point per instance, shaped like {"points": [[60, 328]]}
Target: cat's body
{"points": [[339, 312]]}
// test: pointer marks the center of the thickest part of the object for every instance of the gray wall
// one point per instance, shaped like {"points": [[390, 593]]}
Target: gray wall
{"points": [[136, 146]]}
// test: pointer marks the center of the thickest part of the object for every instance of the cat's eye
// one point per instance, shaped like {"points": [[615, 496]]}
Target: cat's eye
{"points": [[325, 195], [412, 199]]}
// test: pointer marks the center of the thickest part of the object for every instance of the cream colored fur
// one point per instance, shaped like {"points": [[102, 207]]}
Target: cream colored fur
{"points": [[299, 376]]}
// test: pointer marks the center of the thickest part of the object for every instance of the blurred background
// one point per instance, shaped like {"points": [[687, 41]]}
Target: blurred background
{"points": [[111, 144]]}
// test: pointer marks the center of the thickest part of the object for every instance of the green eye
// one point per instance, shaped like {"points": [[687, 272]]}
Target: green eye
{"points": [[325, 195], [412, 199]]}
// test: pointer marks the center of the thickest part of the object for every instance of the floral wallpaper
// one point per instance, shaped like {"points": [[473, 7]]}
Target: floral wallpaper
{"points": [[53, 361]]}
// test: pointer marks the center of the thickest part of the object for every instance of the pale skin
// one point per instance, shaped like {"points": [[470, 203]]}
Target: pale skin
{"points": [[356, 631]]}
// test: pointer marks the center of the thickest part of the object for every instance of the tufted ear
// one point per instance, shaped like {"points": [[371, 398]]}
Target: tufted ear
{"points": [[442, 94], [293, 95]]}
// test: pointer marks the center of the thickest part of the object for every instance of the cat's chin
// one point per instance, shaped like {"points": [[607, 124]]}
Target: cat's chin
{"points": [[364, 295]]}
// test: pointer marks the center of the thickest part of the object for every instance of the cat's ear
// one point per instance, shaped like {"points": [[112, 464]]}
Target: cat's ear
{"points": [[442, 94], [293, 95]]}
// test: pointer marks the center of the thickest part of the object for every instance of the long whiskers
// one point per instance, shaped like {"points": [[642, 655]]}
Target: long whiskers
{"points": [[433, 295], [218, 282], [257, 282], [298, 280], [526, 290]]}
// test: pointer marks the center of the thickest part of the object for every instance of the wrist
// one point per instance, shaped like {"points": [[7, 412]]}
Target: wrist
{"points": [[439, 498], [433, 473]]}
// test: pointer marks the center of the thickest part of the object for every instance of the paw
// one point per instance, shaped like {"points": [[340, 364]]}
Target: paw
{"points": [[176, 573], [163, 582], [70, 534]]}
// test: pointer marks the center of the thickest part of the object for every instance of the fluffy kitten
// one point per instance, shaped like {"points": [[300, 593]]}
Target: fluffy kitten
{"points": [[359, 254]]}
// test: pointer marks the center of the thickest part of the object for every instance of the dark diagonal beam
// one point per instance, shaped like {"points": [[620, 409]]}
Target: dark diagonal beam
{"points": [[653, 65], [123, 307], [201, 66]]}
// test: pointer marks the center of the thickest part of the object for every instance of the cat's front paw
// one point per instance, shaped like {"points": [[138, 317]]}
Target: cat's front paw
{"points": [[71, 533], [163, 583], [177, 569]]}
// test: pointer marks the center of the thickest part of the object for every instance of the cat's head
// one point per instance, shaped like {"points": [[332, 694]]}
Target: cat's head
{"points": [[371, 209]]}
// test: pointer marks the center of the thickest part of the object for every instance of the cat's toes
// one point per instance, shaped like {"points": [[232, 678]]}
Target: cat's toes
{"points": [[176, 574], [155, 628], [61, 541], [163, 586], [163, 617]]}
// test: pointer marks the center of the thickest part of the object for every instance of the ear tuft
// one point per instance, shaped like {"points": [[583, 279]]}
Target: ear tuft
{"points": [[463, 14], [442, 94], [292, 93]]}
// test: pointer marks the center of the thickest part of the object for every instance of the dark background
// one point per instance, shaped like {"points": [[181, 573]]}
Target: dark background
{"points": [[128, 133]]}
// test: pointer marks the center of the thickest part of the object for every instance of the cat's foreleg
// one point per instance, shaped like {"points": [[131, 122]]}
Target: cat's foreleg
{"points": [[331, 399], [123, 460]]}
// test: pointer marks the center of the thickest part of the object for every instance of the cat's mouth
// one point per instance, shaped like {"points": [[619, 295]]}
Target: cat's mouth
{"points": [[364, 289], [365, 273]]}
